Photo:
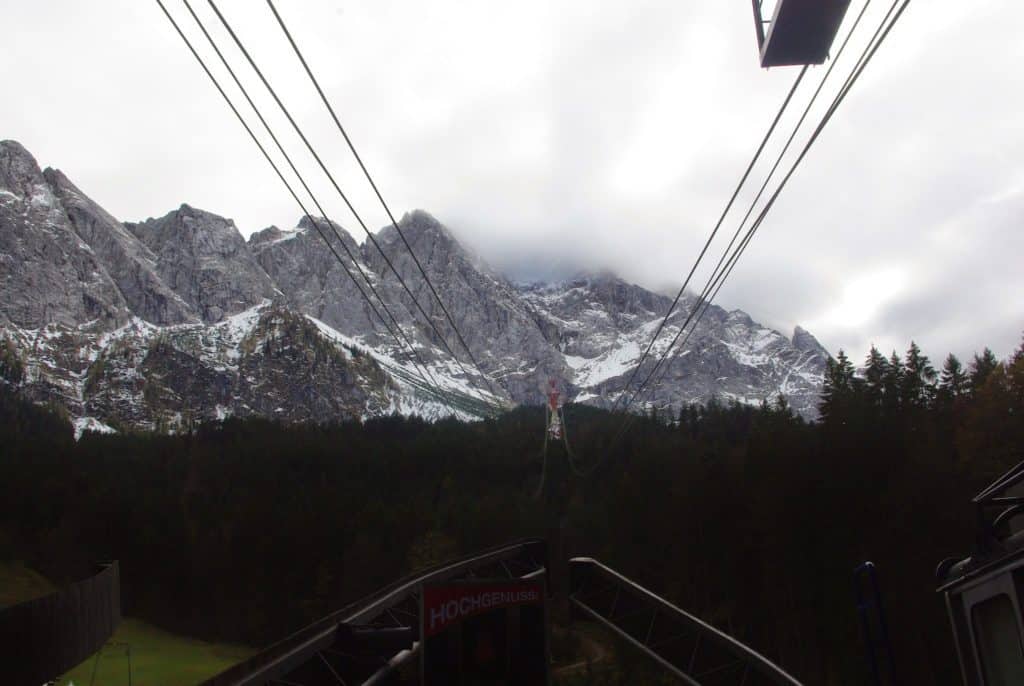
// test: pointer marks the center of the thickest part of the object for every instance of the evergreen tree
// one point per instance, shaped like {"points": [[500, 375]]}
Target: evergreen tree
{"points": [[893, 385], [954, 382], [875, 370], [689, 418], [918, 378], [838, 389], [982, 367], [1015, 374]]}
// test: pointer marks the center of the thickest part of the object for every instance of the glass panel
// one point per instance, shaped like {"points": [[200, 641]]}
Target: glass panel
{"points": [[998, 641]]}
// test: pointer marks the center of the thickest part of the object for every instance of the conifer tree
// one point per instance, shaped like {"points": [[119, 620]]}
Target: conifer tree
{"points": [[893, 384], [982, 367], [953, 382], [838, 389], [1015, 375], [875, 370], [918, 378]]}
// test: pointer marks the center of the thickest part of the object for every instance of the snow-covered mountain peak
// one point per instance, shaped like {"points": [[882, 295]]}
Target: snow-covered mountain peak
{"points": [[803, 340], [178, 318]]}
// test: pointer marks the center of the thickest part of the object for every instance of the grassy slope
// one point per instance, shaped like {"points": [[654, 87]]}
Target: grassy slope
{"points": [[158, 658]]}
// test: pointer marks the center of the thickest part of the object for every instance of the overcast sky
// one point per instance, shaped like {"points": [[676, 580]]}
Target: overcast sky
{"points": [[554, 134]]}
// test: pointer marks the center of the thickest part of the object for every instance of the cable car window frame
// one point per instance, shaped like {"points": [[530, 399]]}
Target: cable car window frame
{"points": [[991, 586]]}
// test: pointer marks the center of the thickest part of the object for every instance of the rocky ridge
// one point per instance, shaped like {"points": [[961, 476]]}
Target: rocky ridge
{"points": [[160, 324]]}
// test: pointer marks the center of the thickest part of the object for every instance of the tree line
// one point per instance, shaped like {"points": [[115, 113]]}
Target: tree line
{"points": [[748, 516]]}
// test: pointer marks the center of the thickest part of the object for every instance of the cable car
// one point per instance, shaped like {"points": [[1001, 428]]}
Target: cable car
{"points": [[984, 593], [800, 32]]}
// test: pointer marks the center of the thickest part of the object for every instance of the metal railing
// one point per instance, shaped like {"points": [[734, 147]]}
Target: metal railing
{"points": [[692, 650], [372, 637]]}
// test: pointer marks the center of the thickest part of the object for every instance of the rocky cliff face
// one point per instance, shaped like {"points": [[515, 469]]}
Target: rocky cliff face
{"points": [[311, 279], [129, 263], [496, 323], [49, 274], [602, 325], [163, 323], [205, 261]]}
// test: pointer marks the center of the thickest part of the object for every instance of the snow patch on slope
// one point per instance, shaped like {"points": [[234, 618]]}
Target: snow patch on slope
{"points": [[91, 424], [412, 396]]}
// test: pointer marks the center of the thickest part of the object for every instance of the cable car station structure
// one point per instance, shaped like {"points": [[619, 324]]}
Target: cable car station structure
{"points": [[377, 640]]}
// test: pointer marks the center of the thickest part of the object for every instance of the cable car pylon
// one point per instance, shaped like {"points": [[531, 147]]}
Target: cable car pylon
{"points": [[553, 431], [554, 407]]}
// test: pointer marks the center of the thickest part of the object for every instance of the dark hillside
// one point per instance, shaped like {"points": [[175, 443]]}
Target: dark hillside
{"points": [[749, 517]]}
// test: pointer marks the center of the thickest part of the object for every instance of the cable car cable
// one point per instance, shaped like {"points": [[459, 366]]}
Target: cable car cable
{"points": [[440, 394], [323, 213], [771, 174], [792, 136], [759, 194], [323, 167], [380, 197], [578, 471], [544, 459], [866, 56], [714, 232], [869, 52], [718, 277]]}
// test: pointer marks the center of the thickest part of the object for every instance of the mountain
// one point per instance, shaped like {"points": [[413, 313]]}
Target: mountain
{"points": [[49, 273], [497, 324], [602, 325], [156, 325], [204, 260]]}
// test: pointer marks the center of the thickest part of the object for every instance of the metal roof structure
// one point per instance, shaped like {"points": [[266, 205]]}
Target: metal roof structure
{"points": [[800, 32]]}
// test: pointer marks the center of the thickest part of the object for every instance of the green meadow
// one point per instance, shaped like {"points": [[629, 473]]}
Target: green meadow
{"points": [[156, 657]]}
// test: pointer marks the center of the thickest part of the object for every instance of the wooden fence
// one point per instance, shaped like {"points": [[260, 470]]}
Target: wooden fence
{"points": [[43, 638]]}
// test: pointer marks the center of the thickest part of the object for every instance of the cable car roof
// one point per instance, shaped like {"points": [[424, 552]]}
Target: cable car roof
{"points": [[801, 32]]}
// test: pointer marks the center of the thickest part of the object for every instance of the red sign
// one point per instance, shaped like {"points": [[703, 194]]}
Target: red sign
{"points": [[444, 605]]}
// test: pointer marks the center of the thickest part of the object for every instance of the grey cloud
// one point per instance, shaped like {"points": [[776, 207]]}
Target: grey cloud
{"points": [[555, 136]]}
